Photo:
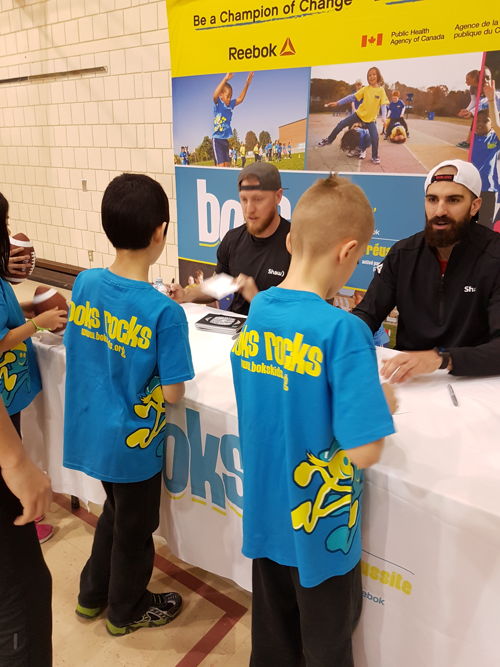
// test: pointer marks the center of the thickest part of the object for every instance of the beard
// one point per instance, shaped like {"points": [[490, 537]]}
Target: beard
{"points": [[442, 238], [256, 228]]}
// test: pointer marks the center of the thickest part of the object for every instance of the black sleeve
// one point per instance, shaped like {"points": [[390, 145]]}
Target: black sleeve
{"points": [[380, 297], [484, 359], [223, 257]]}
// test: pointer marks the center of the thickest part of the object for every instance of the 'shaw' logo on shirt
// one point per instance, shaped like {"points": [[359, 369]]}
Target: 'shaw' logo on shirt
{"points": [[469, 288]]}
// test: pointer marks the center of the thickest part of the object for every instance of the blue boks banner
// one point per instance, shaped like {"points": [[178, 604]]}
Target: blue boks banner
{"points": [[210, 207]]}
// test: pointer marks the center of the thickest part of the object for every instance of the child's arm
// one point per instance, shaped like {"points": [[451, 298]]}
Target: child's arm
{"points": [[241, 96], [490, 93], [173, 393], [23, 478], [367, 455], [344, 100], [221, 85], [51, 319]]}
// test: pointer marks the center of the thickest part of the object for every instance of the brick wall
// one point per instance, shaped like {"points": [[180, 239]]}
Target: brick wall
{"points": [[56, 133]]}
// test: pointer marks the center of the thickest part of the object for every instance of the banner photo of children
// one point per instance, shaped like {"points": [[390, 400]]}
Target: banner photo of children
{"points": [[392, 116], [486, 140], [233, 119]]}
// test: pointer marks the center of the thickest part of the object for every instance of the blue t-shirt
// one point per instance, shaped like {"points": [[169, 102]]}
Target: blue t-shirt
{"points": [[396, 109], [306, 382], [222, 119], [124, 340], [19, 376], [485, 157]]}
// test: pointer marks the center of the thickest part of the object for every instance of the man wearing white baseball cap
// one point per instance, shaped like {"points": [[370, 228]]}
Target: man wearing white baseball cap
{"points": [[445, 283]]}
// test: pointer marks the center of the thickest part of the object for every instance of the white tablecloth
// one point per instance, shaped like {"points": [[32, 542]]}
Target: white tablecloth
{"points": [[431, 523]]}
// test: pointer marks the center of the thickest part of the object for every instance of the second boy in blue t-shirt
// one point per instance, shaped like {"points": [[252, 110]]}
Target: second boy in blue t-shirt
{"points": [[128, 354], [304, 372]]}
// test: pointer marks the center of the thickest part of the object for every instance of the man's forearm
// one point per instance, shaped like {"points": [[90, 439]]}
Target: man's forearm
{"points": [[479, 361]]}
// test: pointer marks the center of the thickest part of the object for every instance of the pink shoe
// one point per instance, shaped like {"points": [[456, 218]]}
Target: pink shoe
{"points": [[44, 532]]}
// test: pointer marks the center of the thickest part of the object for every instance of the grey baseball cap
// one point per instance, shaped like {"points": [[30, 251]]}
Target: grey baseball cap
{"points": [[268, 176]]}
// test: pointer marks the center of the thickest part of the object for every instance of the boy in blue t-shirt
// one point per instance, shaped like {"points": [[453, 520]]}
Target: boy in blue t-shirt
{"points": [[395, 114], [303, 373], [127, 355], [485, 153], [223, 114]]}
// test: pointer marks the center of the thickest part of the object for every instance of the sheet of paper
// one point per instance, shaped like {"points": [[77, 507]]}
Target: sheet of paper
{"points": [[219, 286]]}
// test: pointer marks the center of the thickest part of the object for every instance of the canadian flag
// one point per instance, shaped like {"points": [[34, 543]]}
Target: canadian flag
{"points": [[372, 40]]}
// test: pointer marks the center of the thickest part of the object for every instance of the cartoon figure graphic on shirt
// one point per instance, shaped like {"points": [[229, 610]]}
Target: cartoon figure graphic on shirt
{"points": [[14, 373], [339, 493], [152, 401], [219, 122]]}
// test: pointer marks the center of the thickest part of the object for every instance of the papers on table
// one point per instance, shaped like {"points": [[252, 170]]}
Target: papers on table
{"points": [[219, 286]]}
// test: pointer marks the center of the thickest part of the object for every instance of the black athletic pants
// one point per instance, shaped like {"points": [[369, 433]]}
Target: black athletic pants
{"points": [[25, 589], [392, 122], [120, 566], [295, 626]]}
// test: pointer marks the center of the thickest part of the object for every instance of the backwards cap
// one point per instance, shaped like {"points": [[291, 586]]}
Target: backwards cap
{"points": [[467, 175], [268, 176]]}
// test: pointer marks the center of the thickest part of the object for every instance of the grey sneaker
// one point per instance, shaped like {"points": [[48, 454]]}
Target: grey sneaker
{"points": [[323, 142], [164, 608]]}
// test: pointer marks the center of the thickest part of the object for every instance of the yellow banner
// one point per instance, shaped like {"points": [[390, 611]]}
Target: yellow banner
{"points": [[241, 35]]}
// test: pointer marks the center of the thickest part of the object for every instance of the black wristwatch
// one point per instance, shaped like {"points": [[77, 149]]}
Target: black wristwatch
{"points": [[445, 357]]}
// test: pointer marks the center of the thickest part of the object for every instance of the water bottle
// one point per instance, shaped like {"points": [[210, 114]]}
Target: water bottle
{"points": [[160, 286]]}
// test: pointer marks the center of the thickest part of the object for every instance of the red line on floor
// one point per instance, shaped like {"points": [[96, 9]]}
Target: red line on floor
{"points": [[233, 611], [208, 642]]}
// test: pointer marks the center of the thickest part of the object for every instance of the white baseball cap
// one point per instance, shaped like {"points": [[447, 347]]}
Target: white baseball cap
{"points": [[467, 175]]}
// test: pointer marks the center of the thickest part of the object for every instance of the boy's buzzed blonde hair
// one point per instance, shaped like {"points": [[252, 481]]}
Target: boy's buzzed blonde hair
{"points": [[330, 211]]}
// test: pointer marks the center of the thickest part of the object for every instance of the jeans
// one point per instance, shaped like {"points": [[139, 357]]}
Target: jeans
{"points": [[293, 626], [120, 565], [348, 122], [25, 589]]}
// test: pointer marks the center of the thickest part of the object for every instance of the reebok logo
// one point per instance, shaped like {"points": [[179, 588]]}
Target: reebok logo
{"points": [[469, 288], [288, 48], [267, 51]]}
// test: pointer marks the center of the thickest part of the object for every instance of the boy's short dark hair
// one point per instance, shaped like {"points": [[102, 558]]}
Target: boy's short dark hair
{"points": [[133, 206], [483, 114], [350, 140]]}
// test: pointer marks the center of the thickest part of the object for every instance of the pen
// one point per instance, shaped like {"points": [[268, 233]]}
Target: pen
{"points": [[452, 396]]}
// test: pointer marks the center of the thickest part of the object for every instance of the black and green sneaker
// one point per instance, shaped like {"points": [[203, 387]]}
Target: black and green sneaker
{"points": [[89, 613], [164, 608]]}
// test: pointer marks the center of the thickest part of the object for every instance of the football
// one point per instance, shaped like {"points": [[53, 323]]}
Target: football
{"points": [[20, 240], [46, 298]]}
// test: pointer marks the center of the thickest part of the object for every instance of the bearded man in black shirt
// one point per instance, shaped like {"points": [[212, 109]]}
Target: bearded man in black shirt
{"points": [[255, 253], [445, 283]]}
